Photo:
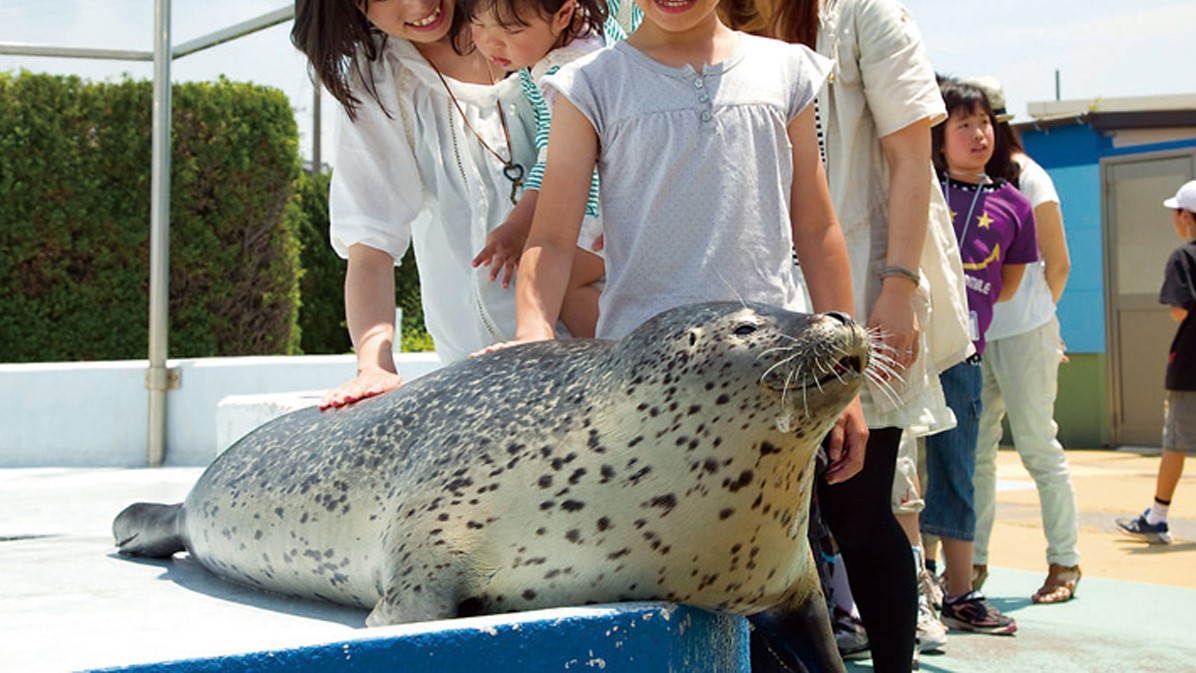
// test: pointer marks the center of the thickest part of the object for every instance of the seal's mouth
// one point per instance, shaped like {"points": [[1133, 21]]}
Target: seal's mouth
{"points": [[797, 373], [825, 364], [851, 365]]}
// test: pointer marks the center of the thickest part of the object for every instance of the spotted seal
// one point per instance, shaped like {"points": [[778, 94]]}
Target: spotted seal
{"points": [[675, 464]]}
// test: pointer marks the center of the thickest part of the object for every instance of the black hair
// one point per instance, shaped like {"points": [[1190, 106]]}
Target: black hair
{"points": [[1008, 142], [340, 43], [969, 98], [588, 19]]}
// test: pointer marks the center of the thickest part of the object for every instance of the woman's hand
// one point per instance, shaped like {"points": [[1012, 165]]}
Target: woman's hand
{"points": [[894, 319], [366, 384]]}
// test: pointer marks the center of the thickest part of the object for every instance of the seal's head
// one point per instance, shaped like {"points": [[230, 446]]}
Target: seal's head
{"points": [[799, 368]]}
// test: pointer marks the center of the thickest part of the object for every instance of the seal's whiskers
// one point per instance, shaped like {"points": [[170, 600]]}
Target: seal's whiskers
{"points": [[885, 387]]}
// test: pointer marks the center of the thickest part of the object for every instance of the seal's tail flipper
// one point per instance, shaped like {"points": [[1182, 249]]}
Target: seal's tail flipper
{"points": [[149, 529]]}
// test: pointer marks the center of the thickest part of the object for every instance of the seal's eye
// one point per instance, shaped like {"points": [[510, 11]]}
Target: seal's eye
{"points": [[744, 329]]}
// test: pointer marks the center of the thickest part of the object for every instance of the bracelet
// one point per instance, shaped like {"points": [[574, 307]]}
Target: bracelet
{"points": [[891, 270]]}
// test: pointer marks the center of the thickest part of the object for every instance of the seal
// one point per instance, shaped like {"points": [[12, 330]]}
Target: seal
{"points": [[675, 464]]}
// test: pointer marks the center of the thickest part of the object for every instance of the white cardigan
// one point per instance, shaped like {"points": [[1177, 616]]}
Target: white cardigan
{"points": [[411, 173]]}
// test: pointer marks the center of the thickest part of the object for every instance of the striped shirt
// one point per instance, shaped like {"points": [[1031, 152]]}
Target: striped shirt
{"points": [[624, 18]]}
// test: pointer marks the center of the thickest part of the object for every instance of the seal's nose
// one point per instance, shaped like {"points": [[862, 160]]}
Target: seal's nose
{"points": [[840, 316]]}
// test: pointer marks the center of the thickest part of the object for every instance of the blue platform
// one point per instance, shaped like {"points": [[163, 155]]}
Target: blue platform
{"points": [[632, 638]]}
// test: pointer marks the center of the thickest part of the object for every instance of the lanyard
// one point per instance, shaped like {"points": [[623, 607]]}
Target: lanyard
{"points": [[971, 208]]}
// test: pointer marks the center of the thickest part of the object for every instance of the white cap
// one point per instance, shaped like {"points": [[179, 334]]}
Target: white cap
{"points": [[1185, 198], [991, 87]]}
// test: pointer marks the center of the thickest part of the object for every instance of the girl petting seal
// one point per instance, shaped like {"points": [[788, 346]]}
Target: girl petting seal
{"points": [[734, 183]]}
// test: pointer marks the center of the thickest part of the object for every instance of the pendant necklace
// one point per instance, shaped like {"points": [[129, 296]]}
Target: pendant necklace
{"points": [[512, 170]]}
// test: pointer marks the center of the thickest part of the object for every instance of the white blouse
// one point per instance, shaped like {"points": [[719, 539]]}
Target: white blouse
{"points": [[412, 172], [882, 82], [1033, 305]]}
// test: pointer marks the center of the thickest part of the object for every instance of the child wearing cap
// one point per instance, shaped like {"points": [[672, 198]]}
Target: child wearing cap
{"points": [[1179, 406]]}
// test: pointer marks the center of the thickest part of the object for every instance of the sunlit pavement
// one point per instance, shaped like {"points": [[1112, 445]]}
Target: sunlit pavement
{"points": [[1132, 610], [68, 602]]}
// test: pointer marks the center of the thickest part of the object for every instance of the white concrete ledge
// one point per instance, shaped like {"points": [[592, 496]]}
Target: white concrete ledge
{"points": [[93, 414]]}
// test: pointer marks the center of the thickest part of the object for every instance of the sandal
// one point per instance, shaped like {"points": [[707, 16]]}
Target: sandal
{"points": [[979, 574], [1060, 584]]}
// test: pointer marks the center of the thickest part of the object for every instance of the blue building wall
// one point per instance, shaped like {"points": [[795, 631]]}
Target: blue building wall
{"points": [[1081, 309], [1072, 156]]}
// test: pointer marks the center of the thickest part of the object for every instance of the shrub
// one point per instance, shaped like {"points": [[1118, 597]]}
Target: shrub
{"points": [[75, 171], [322, 313]]}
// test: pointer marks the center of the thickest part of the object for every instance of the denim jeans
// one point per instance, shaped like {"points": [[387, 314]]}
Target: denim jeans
{"points": [[950, 510]]}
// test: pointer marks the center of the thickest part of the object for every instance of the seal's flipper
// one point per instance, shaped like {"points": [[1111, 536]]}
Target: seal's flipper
{"points": [[795, 640], [149, 529]]}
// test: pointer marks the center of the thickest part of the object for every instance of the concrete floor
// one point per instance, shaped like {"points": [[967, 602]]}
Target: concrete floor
{"points": [[67, 602], [1132, 610]]}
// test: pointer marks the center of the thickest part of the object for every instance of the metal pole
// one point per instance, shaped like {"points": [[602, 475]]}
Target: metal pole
{"points": [[158, 378], [1058, 91]]}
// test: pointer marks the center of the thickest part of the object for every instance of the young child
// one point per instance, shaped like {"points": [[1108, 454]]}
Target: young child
{"points": [[734, 183], [994, 225], [1179, 407], [731, 185], [431, 152], [534, 38]]}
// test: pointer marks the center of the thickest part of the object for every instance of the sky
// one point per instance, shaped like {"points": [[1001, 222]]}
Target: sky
{"points": [[1100, 48]]}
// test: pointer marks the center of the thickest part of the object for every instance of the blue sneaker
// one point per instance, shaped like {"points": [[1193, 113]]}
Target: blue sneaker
{"points": [[1141, 530]]}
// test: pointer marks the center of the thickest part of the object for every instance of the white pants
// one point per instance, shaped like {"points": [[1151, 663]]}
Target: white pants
{"points": [[1021, 376]]}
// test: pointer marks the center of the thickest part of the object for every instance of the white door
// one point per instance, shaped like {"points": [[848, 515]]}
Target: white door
{"points": [[1139, 239]]}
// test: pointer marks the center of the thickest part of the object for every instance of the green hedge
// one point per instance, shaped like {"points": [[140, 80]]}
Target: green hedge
{"points": [[74, 219], [252, 271], [322, 313]]}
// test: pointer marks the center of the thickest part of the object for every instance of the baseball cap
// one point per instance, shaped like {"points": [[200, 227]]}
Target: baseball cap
{"points": [[991, 87], [1185, 198]]}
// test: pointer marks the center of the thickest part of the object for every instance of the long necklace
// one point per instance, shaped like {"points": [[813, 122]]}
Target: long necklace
{"points": [[511, 169]]}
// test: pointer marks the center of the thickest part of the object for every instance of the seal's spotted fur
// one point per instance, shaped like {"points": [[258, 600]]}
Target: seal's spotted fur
{"points": [[556, 473]]}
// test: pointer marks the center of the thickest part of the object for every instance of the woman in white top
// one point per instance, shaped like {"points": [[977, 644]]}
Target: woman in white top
{"points": [[1022, 357], [432, 146], [876, 115]]}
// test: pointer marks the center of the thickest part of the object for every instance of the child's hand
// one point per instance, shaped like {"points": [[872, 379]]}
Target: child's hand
{"points": [[531, 336], [504, 245], [367, 384], [503, 345]]}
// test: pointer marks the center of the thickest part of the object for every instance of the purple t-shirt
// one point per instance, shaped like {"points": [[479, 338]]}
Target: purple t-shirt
{"points": [[994, 225]]}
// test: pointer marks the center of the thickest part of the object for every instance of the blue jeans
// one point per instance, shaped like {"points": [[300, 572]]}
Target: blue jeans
{"points": [[951, 458]]}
